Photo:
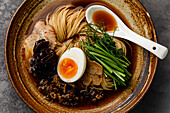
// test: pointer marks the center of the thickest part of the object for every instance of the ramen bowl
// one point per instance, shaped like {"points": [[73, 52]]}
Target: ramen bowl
{"points": [[142, 68]]}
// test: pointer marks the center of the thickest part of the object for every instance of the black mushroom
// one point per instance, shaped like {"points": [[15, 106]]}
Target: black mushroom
{"points": [[68, 93], [44, 67], [44, 60], [56, 90], [93, 94]]}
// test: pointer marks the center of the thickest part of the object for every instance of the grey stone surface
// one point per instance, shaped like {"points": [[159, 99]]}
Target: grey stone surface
{"points": [[156, 99]]}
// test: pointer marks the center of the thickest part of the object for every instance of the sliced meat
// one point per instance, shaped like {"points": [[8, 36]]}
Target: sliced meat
{"points": [[96, 80], [45, 32], [93, 74], [29, 45], [40, 31], [94, 68], [86, 79]]}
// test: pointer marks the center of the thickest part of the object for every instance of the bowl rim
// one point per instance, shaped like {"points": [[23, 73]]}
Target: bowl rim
{"points": [[133, 102], [152, 74], [5, 53]]}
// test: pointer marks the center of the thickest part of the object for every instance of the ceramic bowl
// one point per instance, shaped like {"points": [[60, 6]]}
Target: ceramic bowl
{"points": [[143, 63]]}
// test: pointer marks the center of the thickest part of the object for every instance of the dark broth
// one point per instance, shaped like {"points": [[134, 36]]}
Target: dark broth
{"points": [[107, 19], [53, 6], [109, 96]]}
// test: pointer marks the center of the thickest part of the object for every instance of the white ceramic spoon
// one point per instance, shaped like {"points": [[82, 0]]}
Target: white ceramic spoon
{"points": [[125, 33]]}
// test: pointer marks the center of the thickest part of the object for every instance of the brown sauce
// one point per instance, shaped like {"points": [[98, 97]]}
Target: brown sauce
{"points": [[50, 9], [107, 19], [110, 95]]}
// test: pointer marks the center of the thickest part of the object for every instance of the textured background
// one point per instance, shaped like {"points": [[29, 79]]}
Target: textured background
{"points": [[156, 100]]}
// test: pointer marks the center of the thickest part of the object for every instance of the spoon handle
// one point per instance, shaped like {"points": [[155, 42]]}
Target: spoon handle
{"points": [[155, 48]]}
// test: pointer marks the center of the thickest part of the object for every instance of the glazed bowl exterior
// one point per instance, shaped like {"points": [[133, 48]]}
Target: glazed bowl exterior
{"points": [[144, 63]]}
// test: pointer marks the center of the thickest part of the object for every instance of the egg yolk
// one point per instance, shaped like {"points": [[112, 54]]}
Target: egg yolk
{"points": [[68, 68]]}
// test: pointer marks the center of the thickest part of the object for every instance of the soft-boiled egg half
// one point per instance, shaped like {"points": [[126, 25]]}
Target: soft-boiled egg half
{"points": [[72, 65]]}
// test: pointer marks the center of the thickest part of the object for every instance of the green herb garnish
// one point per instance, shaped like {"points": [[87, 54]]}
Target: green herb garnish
{"points": [[102, 49]]}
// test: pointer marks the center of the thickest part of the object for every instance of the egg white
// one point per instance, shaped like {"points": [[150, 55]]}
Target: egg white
{"points": [[79, 57]]}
